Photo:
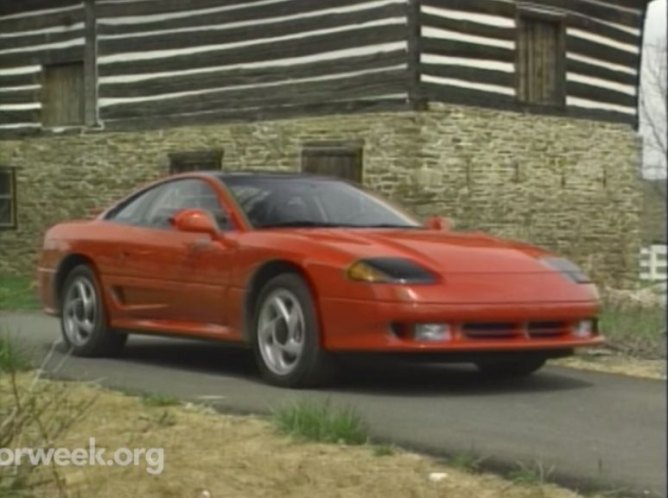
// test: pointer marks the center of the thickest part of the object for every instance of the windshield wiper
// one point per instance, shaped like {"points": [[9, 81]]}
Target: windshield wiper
{"points": [[391, 225], [303, 224], [325, 224]]}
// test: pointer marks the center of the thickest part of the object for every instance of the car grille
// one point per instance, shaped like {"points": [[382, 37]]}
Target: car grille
{"points": [[489, 330], [547, 329], [507, 330]]}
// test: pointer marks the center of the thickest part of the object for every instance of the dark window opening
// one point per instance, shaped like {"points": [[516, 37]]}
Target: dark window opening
{"points": [[541, 55], [339, 161], [7, 198], [63, 94], [197, 160]]}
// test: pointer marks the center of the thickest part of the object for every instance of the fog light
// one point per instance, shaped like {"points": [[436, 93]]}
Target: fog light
{"points": [[432, 332], [584, 329]]}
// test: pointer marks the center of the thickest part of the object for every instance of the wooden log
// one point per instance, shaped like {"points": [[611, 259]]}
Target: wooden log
{"points": [[473, 74], [351, 88], [233, 77], [245, 115], [245, 12], [254, 32], [469, 50], [266, 51]]}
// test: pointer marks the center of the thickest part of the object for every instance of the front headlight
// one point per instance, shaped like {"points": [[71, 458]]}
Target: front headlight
{"points": [[568, 268], [389, 270]]}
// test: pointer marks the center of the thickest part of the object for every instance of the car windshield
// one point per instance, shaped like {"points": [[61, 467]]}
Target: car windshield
{"points": [[271, 202]]}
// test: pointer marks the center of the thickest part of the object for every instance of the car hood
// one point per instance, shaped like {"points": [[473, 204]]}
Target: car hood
{"points": [[449, 252]]}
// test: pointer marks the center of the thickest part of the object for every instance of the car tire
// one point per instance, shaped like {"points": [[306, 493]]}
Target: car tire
{"points": [[83, 317], [286, 335], [517, 367]]}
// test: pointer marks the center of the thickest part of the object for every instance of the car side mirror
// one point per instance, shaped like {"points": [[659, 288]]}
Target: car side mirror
{"points": [[195, 221], [438, 223]]}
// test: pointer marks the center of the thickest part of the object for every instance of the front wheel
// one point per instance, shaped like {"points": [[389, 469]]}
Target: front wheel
{"points": [[83, 317], [286, 339], [516, 367]]}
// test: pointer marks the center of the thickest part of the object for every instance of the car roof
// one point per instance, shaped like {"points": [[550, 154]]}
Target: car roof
{"points": [[267, 175]]}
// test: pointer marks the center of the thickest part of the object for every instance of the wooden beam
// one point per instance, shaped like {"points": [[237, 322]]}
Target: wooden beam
{"points": [[491, 7], [463, 96], [454, 48], [90, 66], [597, 27], [595, 11], [67, 17], [586, 69], [415, 99], [10, 80], [233, 77], [244, 115], [12, 7], [40, 57], [468, 27], [288, 93], [40, 39], [148, 7], [256, 32], [19, 116], [466, 73], [267, 51], [599, 94], [246, 12], [600, 51], [18, 97]]}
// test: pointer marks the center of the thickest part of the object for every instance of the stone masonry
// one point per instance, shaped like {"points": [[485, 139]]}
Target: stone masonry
{"points": [[568, 185]]}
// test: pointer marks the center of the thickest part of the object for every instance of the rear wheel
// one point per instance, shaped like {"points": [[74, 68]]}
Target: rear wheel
{"points": [[286, 339], [516, 367], [83, 317]]}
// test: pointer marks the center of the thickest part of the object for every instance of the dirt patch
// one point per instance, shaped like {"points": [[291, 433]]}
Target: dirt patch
{"points": [[610, 362], [208, 455]]}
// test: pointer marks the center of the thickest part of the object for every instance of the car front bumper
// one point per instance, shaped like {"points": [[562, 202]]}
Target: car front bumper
{"points": [[386, 326]]}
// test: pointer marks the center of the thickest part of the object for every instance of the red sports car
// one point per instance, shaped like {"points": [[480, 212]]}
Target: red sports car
{"points": [[300, 268]]}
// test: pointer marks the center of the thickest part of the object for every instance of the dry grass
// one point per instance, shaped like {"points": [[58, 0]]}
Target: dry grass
{"points": [[214, 456], [615, 364]]}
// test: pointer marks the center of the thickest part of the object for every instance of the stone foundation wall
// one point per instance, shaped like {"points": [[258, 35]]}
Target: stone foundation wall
{"points": [[569, 185]]}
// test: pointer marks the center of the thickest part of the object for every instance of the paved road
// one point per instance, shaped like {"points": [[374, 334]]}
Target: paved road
{"points": [[593, 429]]}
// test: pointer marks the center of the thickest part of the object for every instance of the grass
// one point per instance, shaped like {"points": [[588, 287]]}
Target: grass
{"points": [[214, 455], [13, 358], [33, 413], [321, 422], [467, 461], [17, 294], [635, 331], [159, 400], [531, 475]]}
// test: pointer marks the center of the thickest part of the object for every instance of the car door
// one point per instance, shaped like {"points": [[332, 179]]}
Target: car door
{"points": [[170, 277]]}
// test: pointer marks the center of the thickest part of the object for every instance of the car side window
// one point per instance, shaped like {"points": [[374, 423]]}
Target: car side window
{"points": [[130, 212], [183, 194]]}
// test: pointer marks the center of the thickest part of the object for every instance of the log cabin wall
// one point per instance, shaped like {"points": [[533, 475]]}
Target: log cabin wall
{"points": [[176, 63], [31, 40], [476, 51]]}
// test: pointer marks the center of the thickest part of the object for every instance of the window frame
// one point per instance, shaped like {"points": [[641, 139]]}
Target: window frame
{"points": [[12, 197], [343, 148], [530, 12], [189, 157]]}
